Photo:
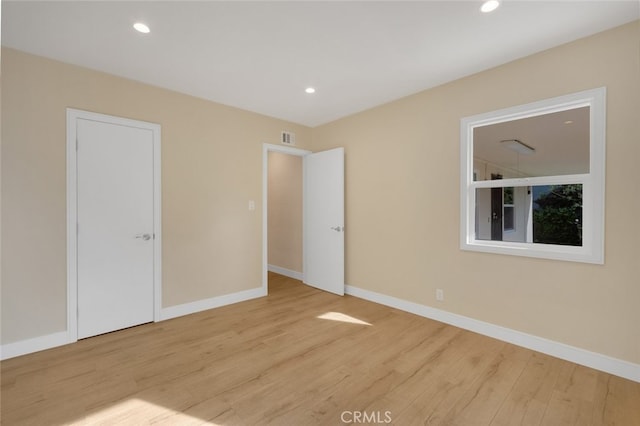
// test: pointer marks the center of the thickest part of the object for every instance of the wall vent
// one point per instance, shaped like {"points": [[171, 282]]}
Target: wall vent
{"points": [[288, 138]]}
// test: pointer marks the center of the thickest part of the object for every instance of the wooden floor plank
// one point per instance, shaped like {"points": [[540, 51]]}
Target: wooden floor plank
{"points": [[301, 356], [527, 401]]}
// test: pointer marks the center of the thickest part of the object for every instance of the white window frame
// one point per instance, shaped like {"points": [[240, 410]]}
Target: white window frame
{"points": [[593, 183]]}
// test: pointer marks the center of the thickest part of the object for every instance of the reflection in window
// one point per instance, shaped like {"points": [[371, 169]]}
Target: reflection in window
{"points": [[555, 144], [557, 214], [544, 214], [508, 210], [532, 179]]}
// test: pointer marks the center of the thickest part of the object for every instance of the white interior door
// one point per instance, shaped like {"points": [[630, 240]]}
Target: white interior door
{"points": [[324, 220], [115, 236]]}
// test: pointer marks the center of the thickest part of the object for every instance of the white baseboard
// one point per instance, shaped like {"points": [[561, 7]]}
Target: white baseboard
{"points": [[601, 362], [49, 341], [35, 344], [584, 357], [286, 272], [214, 302]]}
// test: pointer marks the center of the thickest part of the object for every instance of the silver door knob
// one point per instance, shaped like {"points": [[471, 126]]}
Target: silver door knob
{"points": [[337, 228], [145, 237]]}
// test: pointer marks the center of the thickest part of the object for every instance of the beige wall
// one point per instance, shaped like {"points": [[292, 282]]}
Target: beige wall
{"points": [[402, 206], [285, 211], [211, 168]]}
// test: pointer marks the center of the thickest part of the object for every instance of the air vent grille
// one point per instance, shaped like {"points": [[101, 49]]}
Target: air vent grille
{"points": [[288, 138]]}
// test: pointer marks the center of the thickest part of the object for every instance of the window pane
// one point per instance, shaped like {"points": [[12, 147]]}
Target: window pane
{"points": [[503, 214], [508, 195], [509, 219], [557, 214], [545, 214], [553, 144]]}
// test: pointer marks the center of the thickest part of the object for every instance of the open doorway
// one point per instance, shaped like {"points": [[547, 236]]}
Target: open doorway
{"points": [[284, 214], [283, 195], [322, 217]]}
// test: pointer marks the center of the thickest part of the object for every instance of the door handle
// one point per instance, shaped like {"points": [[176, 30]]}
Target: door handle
{"points": [[145, 237], [338, 228]]}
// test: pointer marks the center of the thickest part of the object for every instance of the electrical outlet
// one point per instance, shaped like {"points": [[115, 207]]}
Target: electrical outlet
{"points": [[439, 294], [252, 205]]}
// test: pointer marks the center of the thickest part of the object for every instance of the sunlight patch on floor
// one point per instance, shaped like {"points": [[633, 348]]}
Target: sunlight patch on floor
{"points": [[337, 316], [137, 411]]}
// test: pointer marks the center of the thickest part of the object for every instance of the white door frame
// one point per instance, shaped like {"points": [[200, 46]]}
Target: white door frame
{"points": [[72, 214], [266, 148]]}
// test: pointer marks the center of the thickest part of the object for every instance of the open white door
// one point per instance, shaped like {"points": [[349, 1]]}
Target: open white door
{"points": [[324, 220]]}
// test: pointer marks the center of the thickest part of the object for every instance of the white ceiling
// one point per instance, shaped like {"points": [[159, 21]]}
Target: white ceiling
{"points": [[260, 56]]}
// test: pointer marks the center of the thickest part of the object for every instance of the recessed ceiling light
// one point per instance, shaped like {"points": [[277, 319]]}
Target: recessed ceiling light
{"points": [[489, 6], [140, 27], [310, 90]]}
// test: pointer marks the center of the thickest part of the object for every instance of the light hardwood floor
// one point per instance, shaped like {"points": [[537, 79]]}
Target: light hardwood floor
{"points": [[294, 358]]}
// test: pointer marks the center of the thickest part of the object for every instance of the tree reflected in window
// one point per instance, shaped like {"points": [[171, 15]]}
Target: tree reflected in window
{"points": [[557, 214]]}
